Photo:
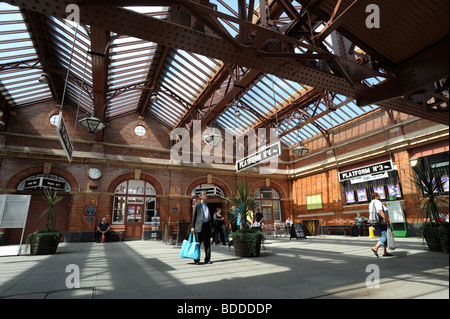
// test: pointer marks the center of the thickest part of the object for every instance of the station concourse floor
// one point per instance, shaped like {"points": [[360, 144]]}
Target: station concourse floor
{"points": [[322, 267]]}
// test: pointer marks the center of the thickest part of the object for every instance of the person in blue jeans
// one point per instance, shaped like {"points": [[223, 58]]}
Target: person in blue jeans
{"points": [[377, 206]]}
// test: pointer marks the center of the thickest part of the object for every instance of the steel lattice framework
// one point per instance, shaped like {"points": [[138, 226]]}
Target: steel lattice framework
{"points": [[302, 66]]}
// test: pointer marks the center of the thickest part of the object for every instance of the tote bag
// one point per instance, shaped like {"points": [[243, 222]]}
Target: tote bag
{"points": [[190, 249], [390, 239], [377, 219]]}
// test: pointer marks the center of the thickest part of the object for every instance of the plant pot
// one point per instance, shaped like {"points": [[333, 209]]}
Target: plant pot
{"points": [[431, 237], [44, 243], [242, 247]]}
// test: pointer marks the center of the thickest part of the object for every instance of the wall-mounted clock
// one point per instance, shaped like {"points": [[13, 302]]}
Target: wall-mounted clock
{"points": [[94, 173]]}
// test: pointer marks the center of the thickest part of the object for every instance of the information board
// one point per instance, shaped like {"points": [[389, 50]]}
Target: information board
{"points": [[397, 218], [297, 231], [13, 214], [395, 212]]}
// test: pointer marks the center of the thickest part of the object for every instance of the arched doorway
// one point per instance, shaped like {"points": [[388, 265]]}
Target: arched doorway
{"points": [[215, 197], [134, 206], [34, 185], [269, 204]]}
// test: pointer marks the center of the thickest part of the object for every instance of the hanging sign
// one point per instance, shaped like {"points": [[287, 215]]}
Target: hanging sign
{"points": [[366, 170], [43, 182], [259, 157], [63, 137]]}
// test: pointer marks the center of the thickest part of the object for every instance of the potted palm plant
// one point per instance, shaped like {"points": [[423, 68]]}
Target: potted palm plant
{"points": [[247, 242], [45, 241], [434, 229]]}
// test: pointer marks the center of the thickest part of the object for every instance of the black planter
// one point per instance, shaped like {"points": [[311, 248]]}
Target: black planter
{"points": [[242, 247], [432, 239], [44, 243]]}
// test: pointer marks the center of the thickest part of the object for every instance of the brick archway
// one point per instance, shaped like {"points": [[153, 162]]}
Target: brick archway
{"points": [[15, 181], [130, 176]]}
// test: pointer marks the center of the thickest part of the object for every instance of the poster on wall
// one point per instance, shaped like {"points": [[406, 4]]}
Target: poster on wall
{"points": [[350, 196], [380, 191], [362, 195], [444, 180], [394, 190]]}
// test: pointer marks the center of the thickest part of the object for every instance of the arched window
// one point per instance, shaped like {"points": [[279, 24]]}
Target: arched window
{"points": [[269, 204], [136, 194], [44, 181], [211, 190]]}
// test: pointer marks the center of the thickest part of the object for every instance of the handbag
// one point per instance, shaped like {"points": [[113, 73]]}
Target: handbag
{"points": [[190, 249], [377, 219], [390, 239]]}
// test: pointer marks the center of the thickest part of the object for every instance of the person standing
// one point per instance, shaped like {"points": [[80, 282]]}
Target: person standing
{"points": [[202, 226], [232, 219], [218, 226], [258, 220], [377, 206]]}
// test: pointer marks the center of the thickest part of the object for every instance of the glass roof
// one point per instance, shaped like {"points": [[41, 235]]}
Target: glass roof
{"points": [[19, 64], [182, 78]]}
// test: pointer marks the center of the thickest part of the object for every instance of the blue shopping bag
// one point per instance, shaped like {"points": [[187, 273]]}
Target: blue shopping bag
{"points": [[190, 249]]}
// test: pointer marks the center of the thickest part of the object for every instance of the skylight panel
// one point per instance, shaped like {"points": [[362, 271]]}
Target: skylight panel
{"points": [[21, 84]]}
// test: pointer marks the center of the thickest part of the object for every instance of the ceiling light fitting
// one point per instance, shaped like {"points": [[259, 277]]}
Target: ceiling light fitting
{"points": [[300, 150], [44, 79], [92, 124], [213, 139], [154, 97]]}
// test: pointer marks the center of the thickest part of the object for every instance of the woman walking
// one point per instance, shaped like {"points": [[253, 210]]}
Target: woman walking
{"points": [[380, 224]]}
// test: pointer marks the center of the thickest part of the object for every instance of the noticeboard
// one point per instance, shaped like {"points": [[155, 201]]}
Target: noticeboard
{"points": [[395, 212], [397, 219], [297, 231]]}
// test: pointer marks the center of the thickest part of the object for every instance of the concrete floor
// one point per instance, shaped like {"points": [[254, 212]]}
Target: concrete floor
{"points": [[318, 267]]}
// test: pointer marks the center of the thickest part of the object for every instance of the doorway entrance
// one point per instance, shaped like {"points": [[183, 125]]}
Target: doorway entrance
{"points": [[133, 221], [134, 206]]}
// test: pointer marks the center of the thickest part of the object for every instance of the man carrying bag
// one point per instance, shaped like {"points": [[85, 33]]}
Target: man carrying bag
{"points": [[201, 225], [378, 217]]}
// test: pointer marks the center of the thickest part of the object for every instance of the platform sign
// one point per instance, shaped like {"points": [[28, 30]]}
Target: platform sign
{"points": [[63, 136], [259, 157], [366, 173]]}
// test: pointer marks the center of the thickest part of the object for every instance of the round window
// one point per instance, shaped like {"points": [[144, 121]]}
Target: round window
{"points": [[140, 130], [54, 119]]}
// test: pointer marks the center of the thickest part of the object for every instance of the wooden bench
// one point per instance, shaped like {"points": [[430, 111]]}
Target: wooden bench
{"points": [[117, 231], [346, 225], [340, 225]]}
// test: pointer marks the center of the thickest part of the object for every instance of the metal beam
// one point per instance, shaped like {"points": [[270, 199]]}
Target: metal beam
{"points": [[166, 33], [162, 53], [100, 62], [417, 73]]}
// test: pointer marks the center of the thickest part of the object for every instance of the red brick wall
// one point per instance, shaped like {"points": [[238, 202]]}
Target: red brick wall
{"points": [[29, 127]]}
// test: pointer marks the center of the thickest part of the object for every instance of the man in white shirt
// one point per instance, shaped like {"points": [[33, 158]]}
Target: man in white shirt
{"points": [[377, 206]]}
